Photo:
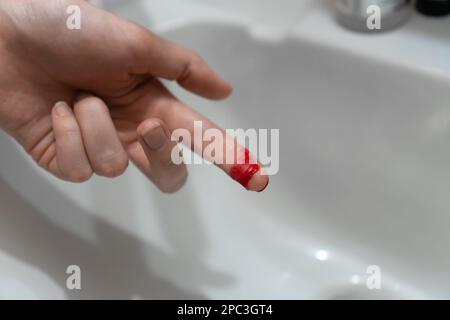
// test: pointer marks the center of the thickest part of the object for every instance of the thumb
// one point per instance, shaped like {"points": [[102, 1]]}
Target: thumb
{"points": [[109, 44], [158, 57]]}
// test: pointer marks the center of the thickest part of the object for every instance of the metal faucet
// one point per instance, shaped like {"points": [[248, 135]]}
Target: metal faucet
{"points": [[373, 15]]}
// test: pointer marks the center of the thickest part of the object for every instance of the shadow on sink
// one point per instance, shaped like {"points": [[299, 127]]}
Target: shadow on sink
{"points": [[116, 265]]}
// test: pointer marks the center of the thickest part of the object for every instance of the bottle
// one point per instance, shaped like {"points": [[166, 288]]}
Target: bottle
{"points": [[433, 7], [373, 15]]}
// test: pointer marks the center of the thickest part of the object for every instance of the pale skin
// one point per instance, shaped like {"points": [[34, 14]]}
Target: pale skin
{"points": [[84, 102]]}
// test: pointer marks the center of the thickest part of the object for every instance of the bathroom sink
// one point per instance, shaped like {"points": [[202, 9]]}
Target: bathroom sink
{"points": [[364, 174], [364, 181]]}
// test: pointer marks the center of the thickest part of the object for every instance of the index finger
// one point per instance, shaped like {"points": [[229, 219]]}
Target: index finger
{"points": [[228, 154]]}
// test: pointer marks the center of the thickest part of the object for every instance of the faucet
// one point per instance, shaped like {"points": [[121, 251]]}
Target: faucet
{"points": [[372, 15]]}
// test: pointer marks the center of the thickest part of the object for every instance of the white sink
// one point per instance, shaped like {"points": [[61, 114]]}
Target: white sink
{"points": [[364, 180]]}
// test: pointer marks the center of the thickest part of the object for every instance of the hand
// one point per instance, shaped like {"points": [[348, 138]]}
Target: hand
{"points": [[86, 101]]}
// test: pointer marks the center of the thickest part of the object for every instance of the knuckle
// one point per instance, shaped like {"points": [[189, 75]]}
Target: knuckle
{"points": [[70, 127], [112, 165], [194, 60], [71, 131]]}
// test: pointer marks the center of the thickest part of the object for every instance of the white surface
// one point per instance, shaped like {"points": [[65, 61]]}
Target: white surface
{"points": [[423, 42], [364, 177]]}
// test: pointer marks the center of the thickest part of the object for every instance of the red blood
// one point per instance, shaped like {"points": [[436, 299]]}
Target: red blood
{"points": [[243, 173]]}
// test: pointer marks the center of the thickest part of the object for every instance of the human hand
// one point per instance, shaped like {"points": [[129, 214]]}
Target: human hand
{"points": [[88, 101]]}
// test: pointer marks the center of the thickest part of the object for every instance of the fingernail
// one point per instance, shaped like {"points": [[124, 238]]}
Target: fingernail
{"points": [[62, 109], [154, 137]]}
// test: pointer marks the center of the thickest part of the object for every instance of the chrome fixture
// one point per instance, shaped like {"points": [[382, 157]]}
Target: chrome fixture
{"points": [[373, 15]]}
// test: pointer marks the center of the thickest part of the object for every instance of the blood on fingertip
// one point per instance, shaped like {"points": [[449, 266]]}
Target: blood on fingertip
{"points": [[243, 173]]}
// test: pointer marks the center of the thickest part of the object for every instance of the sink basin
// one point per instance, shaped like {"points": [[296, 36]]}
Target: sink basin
{"points": [[364, 181], [364, 170]]}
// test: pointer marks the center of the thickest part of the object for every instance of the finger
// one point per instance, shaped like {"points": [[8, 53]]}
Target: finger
{"points": [[104, 149], [162, 58], [121, 45], [72, 163], [229, 155], [153, 156]]}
